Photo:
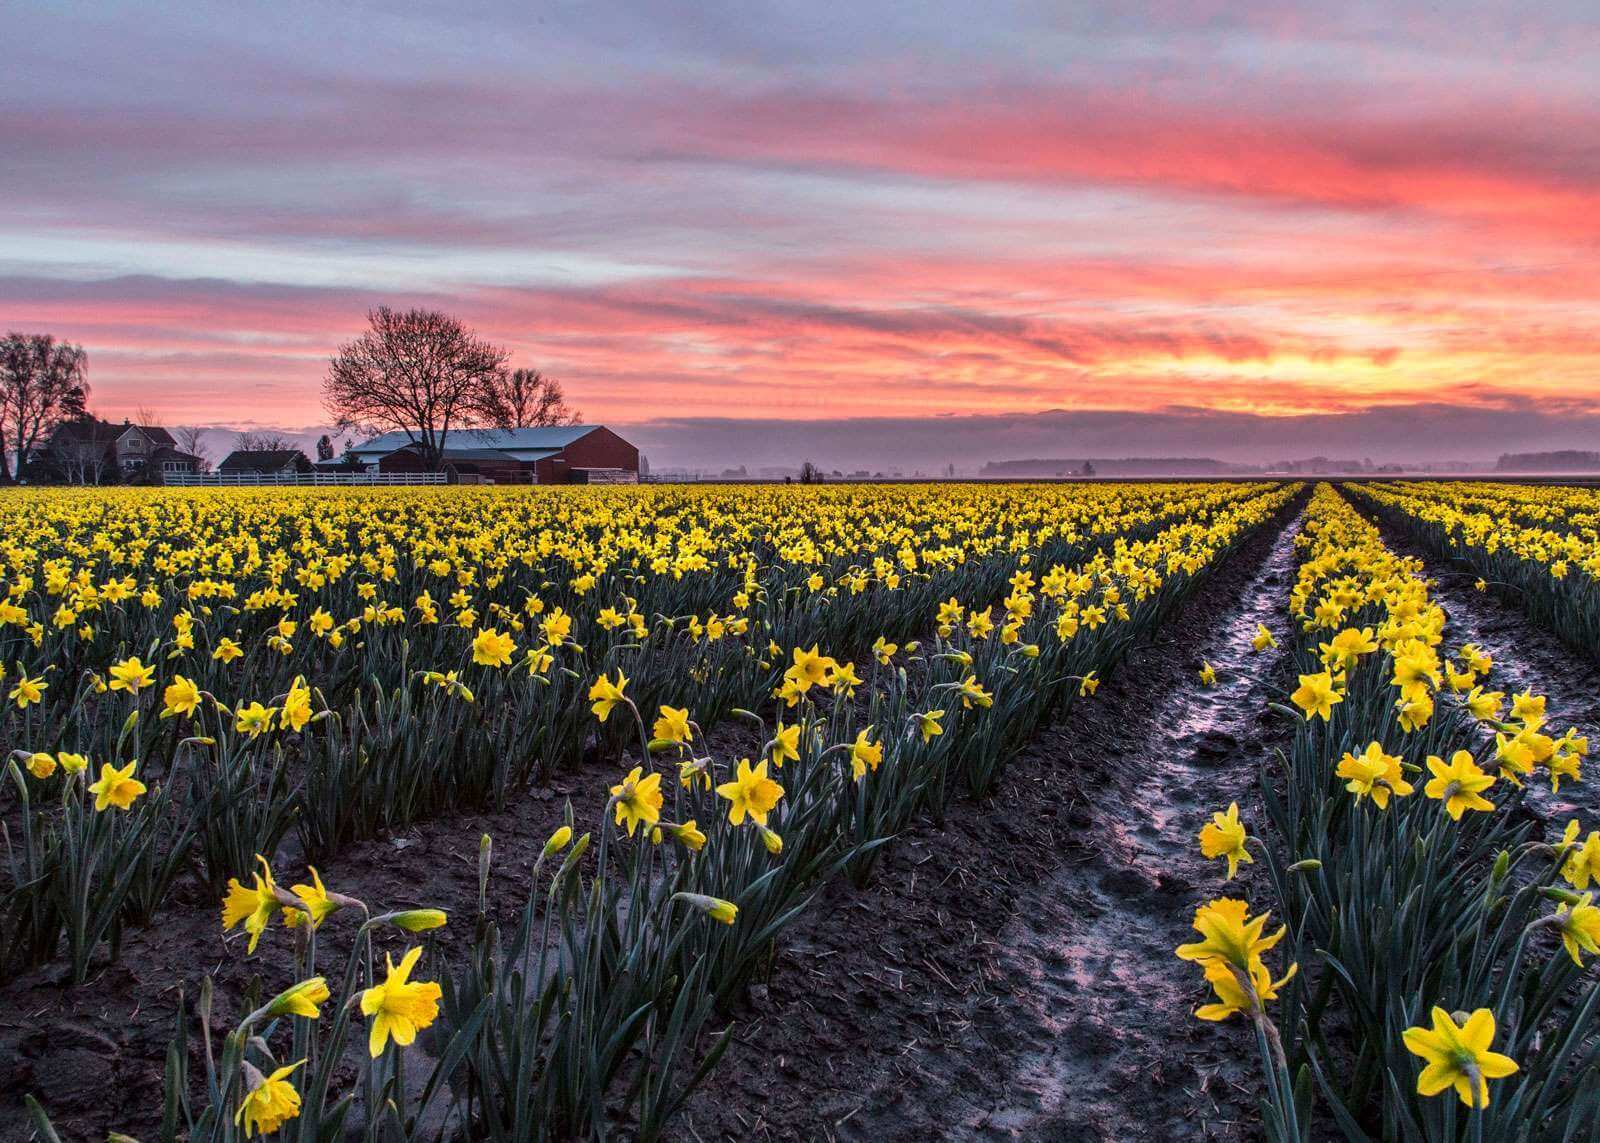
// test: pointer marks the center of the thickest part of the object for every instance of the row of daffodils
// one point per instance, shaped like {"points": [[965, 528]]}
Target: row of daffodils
{"points": [[636, 936], [1432, 978], [334, 665], [1537, 545]]}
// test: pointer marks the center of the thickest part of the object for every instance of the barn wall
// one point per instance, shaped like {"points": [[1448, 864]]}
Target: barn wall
{"points": [[601, 449]]}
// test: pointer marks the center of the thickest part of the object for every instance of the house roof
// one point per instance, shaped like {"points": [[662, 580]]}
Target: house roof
{"points": [[545, 440], [89, 429], [153, 432], [262, 458], [94, 429]]}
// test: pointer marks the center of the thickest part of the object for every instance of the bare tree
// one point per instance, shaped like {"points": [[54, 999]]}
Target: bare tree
{"points": [[420, 372], [192, 440], [264, 440], [42, 383], [522, 399]]}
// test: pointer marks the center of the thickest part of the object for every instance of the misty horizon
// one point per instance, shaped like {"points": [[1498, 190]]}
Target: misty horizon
{"points": [[1413, 435]]}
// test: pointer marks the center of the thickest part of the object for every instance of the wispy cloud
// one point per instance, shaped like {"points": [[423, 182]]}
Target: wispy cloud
{"points": [[1277, 209]]}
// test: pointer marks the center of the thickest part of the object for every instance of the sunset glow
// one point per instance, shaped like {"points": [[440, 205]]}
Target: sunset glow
{"points": [[814, 212]]}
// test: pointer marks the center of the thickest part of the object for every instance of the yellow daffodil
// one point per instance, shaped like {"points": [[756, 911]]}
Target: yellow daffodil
{"points": [[1317, 696], [1374, 774], [1458, 1056], [399, 1007], [864, 755], [116, 787], [182, 697], [1224, 836], [270, 1102], [673, 725], [1459, 784], [131, 675], [637, 799], [750, 793], [253, 906], [490, 648], [605, 695]]}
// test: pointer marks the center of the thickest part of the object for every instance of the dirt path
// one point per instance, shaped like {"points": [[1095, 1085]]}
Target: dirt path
{"points": [[1527, 656], [1012, 976]]}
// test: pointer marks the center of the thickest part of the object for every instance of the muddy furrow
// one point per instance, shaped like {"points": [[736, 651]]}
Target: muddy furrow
{"points": [[1527, 656], [1012, 975]]}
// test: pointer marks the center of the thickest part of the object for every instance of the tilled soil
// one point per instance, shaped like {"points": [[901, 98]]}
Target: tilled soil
{"points": [[1012, 975], [1527, 656]]}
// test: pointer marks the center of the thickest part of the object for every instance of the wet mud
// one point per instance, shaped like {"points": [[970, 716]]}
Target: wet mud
{"points": [[1012, 975]]}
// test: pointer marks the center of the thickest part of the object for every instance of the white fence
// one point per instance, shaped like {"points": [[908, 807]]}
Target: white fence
{"points": [[307, 478]]}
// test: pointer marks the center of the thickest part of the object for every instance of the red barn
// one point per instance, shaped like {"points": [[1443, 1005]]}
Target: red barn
{"points": [[555, 454]]}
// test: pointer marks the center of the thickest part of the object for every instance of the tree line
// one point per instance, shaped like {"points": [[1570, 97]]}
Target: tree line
{"points": [[421, 372]]}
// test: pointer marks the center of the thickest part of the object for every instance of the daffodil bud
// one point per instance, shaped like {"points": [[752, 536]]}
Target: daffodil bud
{"points": [[1309, 865], [771, 840], [419, 920], [300, 999], [575, 855], [558, 841], [485, 853], [714, 907], [1502, 865]]}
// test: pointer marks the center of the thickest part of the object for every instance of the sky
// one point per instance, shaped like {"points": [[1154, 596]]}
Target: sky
{"points": [[753, 231]]}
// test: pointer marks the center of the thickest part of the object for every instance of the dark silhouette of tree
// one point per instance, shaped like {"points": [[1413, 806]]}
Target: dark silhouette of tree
{"points": [[264, 440], [42, 383], [522, 399], [420, 372], [324, 447], [192, 440], [810, 473]]}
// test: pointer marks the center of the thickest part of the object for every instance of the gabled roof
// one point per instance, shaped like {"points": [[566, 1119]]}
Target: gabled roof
{"points": [[153, 432], [547, 438]]}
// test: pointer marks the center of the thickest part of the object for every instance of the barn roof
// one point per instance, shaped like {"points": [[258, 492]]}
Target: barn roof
{"points": [[547, 439]]}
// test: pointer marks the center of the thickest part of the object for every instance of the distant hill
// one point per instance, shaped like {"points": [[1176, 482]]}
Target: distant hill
{"points": [[1562, 460], [1110, 466]]}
